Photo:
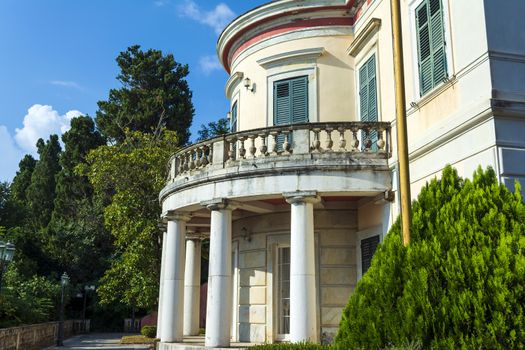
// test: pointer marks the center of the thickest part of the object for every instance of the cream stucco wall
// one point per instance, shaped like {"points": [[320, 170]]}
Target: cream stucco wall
{"points": [[332, 75]]}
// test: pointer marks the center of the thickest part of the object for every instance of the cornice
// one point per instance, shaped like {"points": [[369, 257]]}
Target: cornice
{"points": [[232, 82], [275, 10], [362, 38], [304, 55]]}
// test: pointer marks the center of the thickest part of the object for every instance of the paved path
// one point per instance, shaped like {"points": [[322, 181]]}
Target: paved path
{"points": [[97, 341]]}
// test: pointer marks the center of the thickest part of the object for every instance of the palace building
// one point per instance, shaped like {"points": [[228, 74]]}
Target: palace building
{"points": [[297, 197]]}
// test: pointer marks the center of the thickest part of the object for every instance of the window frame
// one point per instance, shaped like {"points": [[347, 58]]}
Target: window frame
{"points": [[416, 81], [311, 73]]}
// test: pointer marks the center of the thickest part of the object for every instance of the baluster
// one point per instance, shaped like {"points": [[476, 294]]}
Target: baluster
{"points": [[231, 148], [342, 140], [210, 153], [181, 163], [316, 145], [368, 141], [264, 147], [204, 159], [355, 140], [186, 161], [329, 143], [252, 149], [274, 134], [192, 159], [380, 141], [198, 152], [286, 145], [242, 150]]}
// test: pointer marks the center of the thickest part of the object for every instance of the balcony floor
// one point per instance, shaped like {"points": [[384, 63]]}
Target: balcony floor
{"points": [[197, 343]]}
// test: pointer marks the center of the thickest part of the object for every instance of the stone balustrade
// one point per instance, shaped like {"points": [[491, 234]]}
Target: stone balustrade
{"points": [[282, 141], [38, 336]]}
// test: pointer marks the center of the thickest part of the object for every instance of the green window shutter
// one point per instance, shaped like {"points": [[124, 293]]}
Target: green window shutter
{"points": [[291, 101], [368, 97], [282, 103], [299, 100], [233, 120], [430, 32]]}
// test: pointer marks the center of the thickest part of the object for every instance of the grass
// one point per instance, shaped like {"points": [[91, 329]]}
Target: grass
{"points": [[138, 339]]}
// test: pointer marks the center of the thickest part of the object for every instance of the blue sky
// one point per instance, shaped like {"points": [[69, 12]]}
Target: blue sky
{"points": [[57, 59]]}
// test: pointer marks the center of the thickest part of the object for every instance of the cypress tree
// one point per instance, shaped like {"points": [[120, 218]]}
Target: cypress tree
{"points": [[41, 191], [461, 281]]}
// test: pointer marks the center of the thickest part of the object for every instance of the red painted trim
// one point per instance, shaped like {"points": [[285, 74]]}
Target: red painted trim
{"points": [[230, 43], [289, 27]]}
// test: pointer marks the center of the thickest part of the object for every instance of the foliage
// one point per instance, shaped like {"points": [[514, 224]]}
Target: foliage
{"points": [[212, 129], [149, 331], [134, 172], [154, 94], [288, 346], [22, 179], [41, 191], [459, 284], [76, 237], [27, 301]]}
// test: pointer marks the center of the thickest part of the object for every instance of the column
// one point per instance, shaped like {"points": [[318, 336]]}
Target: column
{"points": [[192, 279], [173, 290], [161, 283], [303, 306], [219, 313]]}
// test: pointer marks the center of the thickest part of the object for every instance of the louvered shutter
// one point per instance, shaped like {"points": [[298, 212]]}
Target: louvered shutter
{"points": [[368, 248], [290, 103], [368, 97], [299, 100], [430, 33]]}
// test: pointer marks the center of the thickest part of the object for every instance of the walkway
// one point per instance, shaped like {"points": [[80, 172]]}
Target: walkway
{"points": [[96, 341]]}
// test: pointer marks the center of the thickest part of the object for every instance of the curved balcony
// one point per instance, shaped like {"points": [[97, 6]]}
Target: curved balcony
{"points": [[261, 161]]}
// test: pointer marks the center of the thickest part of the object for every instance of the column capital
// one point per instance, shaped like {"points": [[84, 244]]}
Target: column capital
{"points": [[220, 203], [194, 236], [301, 197], [172, 215]]}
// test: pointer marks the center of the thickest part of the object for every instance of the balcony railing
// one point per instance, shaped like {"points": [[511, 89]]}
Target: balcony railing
{"points": [[283, 141]]}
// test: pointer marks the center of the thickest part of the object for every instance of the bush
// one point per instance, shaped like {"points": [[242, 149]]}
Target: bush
{"points": [[287, 346], [461, 281], [149, 331]]}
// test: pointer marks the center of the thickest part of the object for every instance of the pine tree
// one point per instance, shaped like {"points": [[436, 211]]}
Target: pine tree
{"points": [[460, 284]]}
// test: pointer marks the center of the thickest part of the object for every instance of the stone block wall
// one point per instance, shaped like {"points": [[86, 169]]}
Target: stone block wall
{"points": [[335, 232], [38, 336]]}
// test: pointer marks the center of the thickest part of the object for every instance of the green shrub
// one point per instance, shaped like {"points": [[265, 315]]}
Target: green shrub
{"points": [[149, 331], [287, 346], [460, 284]]}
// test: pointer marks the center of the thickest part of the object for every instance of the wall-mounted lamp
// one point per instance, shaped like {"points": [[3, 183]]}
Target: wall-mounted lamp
{"points": [[228, 115], [247, 235], [249, 85]]}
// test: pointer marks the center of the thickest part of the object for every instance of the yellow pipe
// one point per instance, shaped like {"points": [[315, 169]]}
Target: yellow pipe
{"points": [[402, 143]]}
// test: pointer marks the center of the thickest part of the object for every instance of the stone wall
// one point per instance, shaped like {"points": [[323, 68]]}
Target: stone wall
{"points": [[38, 336], [335, 236]]}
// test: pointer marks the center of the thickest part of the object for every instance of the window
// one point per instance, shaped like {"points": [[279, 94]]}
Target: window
{"points": [[233, 120], [368, 248], [368, 97], [283, 291], [430, 35], [290, 104]]}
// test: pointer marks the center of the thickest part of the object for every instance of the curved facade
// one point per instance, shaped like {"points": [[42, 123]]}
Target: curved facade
{"points": [[296, 198]]}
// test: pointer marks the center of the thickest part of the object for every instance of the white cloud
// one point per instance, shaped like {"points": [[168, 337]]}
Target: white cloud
{"points": [[39, 122], [209, 63], [65, 83], [10, 155], [217, 18]]}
